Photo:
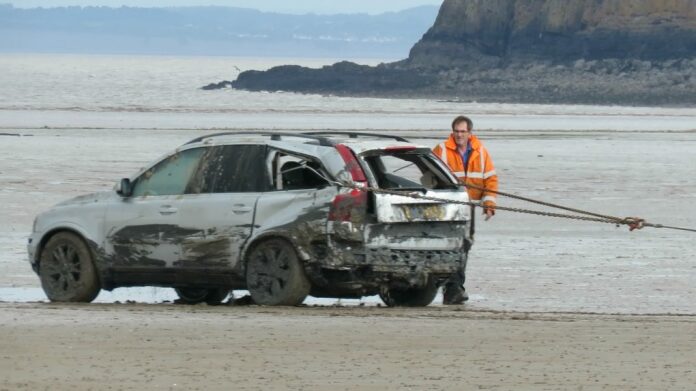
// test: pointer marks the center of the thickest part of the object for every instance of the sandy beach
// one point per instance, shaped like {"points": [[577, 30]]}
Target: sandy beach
{"points": [[169, 347], [555, 304], [519, 262]]}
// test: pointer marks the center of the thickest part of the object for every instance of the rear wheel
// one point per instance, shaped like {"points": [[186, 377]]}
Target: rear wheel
{"points": [[409, 297], [212, 296], [275, 275], [67, 271]]}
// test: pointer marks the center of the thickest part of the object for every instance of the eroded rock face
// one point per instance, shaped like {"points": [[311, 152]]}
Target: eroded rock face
{"points": [[491, 32], [544, 51]]}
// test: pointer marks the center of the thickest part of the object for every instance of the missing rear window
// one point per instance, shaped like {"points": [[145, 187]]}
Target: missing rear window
{"points": [[410, 170]]}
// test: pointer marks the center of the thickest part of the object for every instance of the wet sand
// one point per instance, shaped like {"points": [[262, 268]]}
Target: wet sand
{"points": [[621, 293], [132, 347], [519, 262]]}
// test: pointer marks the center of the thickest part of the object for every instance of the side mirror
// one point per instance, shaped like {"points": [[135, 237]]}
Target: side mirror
{"points": [[125, 189]]}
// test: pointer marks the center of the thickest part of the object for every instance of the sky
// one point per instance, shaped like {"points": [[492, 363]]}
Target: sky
{"points": [[283, 6]]}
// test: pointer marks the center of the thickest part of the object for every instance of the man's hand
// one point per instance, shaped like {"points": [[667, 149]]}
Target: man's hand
{"points": [[489, 212]]}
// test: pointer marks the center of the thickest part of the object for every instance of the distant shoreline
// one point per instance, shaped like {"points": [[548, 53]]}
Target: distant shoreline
{"points": [[211, 30]]}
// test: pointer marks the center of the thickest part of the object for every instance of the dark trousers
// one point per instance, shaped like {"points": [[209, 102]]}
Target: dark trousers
{"points": [[456, 280]]}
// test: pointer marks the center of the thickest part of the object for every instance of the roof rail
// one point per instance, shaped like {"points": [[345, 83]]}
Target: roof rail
{"points": [[323, 141], [356, 135]]}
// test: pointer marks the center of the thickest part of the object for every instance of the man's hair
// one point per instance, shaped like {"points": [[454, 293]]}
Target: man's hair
{"points": [[462, 118]]}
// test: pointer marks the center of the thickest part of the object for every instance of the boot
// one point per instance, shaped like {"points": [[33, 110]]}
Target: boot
{"points": [[454, 294]]}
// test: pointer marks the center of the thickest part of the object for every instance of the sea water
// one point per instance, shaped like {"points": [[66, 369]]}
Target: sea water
{"points": [[165, 92]]}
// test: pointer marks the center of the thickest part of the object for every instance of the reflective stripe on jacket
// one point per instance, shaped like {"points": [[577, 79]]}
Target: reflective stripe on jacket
{"points": [[479, 171]]}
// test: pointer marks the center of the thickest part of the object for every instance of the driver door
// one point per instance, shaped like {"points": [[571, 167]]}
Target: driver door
{"points": [[145, 230]]}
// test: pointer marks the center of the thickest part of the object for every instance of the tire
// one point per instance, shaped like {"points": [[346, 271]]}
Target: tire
{"points": [[192, 295], [67, 271], [409, 297], [274, 274]]}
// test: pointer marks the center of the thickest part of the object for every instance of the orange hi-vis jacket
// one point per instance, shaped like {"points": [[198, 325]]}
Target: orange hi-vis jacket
{"points": [[478, 171]]}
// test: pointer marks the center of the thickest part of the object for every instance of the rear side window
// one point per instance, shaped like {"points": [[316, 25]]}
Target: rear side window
{"points": [[170, 176], [232, 169], [407, 170], [295, 172]]}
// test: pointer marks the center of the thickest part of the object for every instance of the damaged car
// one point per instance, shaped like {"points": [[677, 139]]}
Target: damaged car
{"points": [[282, 215]]}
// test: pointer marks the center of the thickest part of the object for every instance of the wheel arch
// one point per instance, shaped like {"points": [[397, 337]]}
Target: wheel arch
{"points": [[295, 286], [255, 241], [90, 278], [91, 245]]}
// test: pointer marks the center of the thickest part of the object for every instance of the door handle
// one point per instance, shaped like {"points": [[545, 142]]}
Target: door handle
{"points": [[167, 210], [241, 208]]}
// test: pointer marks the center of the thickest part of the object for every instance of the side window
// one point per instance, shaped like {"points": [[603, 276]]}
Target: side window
{"points": [[232, 169], [170, 176], [295, 173]]}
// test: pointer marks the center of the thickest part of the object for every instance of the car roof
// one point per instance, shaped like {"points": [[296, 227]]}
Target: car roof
{"points": [[296, 142], [357, 141]]}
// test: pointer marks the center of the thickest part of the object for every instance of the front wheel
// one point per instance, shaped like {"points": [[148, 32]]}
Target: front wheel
{"points": [[213, 296], [409, 297], [67, 271], [274, 274]]}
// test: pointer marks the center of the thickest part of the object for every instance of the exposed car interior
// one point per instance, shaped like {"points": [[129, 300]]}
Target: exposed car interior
{"points": [[294, 173]]}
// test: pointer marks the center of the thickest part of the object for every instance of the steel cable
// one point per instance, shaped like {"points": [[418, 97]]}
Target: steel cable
{"points": [[631, 222]]}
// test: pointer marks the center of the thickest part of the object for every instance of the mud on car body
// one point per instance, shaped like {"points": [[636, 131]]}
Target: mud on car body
{"points": [[265, 212]]}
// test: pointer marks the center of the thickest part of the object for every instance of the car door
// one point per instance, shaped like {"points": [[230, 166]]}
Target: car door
{"points": [[298, 206], [227, 185], [145, 230]]}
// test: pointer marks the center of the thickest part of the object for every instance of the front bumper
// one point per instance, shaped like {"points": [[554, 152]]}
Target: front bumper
{"points": [[32, 249]]}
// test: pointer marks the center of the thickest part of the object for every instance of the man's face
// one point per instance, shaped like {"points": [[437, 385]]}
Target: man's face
{"points": [[461, 133]]}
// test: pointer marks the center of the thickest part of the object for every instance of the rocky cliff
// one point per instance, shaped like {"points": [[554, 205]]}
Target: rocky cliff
{"points": [[574, 51], [492, 32]]}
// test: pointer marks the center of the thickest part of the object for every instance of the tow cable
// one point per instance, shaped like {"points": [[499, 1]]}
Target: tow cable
{"points": [[633, 223]]}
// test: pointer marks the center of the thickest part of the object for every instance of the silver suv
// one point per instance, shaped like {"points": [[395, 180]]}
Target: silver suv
{"points": [[283, 215]]}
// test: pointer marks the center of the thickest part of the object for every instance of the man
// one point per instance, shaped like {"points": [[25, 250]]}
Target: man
{"points": [[471, 163]]}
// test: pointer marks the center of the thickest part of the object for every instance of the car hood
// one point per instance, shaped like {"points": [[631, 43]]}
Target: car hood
{"points": [[88, 198]]}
